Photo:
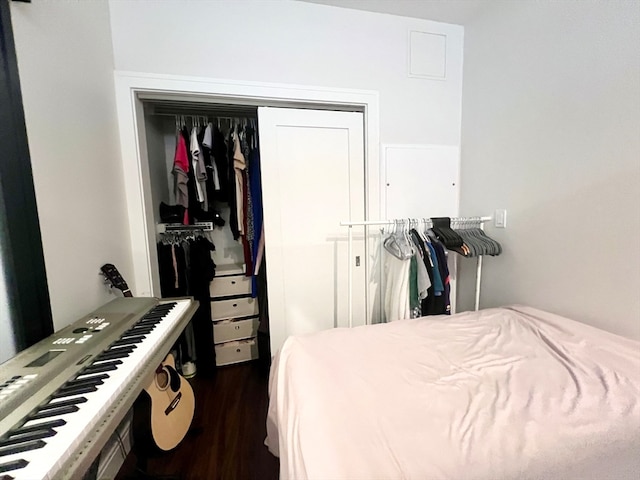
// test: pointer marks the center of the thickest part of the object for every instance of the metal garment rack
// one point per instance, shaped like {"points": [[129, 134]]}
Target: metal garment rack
{"points": [[366, 223]]}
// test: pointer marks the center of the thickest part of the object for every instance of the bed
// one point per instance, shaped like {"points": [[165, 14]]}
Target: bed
{"points": [[505, 393]]}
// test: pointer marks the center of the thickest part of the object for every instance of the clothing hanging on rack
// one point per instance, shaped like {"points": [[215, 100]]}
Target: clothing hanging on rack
{"points": [[416, 273], [435, 275], [224, 153], [396, 298], [181, 175], [186, 268], [213, 179], [255, 187]]}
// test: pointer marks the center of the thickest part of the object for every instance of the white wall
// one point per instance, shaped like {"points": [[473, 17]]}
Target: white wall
{"points": [[551, 132], [297, 43], [65, 63]]}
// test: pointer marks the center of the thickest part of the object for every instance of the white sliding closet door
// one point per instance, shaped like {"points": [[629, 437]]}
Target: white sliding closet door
{"points": [[312, 164]]}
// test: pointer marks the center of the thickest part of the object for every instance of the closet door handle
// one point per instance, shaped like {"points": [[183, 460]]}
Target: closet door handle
{"points": [[237, 327], [238, 350], [233, 282], [235, 305]]}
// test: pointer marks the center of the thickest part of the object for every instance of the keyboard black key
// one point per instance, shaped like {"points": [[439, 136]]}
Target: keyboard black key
{"points": [[13, 465], [83, 382], [113, 354], [74, 392], [23, 447], [134, 337], [41, 426], [139, 331], [96, 377], [129, 341], [74, 389], [149, 322], [101, 367], [121, 347], [54, 412], [37, 435], [63, 403]]}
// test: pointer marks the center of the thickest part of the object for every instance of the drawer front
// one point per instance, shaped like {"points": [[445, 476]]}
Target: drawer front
{"points": [[232, 285], [236, 330], [235, 352], [234, 308]]}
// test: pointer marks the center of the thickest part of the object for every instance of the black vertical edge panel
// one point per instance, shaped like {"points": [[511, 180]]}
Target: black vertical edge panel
{"points": [[21, 241]]}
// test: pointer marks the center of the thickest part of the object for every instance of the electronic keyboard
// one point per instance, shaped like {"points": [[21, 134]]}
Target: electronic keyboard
{"points": [[61, 399]]}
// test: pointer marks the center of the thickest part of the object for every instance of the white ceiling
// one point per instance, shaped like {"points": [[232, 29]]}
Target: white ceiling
{"points": [[449, 11]]}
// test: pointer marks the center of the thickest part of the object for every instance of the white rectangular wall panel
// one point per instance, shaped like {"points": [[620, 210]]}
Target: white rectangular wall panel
{"points": [[421, 181]]}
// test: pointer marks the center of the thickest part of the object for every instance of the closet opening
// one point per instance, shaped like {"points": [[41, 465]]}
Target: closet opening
{"points": [[206, 207], [208, 235]]}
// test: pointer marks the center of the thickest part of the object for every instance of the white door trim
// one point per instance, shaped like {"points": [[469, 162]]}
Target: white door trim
{"points": [[130, 85]]}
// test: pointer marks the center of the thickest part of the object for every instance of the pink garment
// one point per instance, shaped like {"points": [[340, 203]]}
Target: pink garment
{"points": [[180, 174]]}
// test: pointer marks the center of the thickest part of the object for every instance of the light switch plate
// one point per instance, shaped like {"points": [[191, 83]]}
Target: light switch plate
{"points": [[500, 218]]}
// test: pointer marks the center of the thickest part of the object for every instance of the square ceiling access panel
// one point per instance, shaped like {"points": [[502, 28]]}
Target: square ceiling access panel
{"points": [[427, 55]]}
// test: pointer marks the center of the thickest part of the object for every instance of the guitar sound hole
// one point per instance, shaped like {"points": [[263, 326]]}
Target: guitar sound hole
{"points": [[162, 378]]}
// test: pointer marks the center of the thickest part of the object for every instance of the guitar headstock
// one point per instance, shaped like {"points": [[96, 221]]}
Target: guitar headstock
{"points": [[113, 276]]}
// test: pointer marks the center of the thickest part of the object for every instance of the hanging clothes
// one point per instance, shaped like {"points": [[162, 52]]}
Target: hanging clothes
{"points": [[219, 151], [239, 165], [438, 301], [232, 198], [257, 244], [186, 268], [213, 180], [172, 268], [248, 204], [191, 179], [423, 281], [200, 172], [396, 298], [181, 176]]}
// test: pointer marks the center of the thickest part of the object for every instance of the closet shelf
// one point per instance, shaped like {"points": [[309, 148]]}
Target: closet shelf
{"points": [[179, 227]]}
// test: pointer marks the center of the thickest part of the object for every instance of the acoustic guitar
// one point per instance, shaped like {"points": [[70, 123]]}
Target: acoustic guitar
{"points": [[164, 410], [166, 414]]}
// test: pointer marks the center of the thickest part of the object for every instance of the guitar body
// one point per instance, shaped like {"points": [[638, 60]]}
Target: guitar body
{"points": [[165, 409]]}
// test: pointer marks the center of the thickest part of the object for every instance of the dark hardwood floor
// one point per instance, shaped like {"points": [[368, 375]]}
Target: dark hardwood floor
{"points": [[226, 441]]}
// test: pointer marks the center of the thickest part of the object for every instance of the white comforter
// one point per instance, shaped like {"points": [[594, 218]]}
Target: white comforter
{"points": [[509, 393]]}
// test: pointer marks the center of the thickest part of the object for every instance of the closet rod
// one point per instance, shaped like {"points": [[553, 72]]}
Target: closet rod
{"points": [[480, 220], [391, 222], [225, 116]]}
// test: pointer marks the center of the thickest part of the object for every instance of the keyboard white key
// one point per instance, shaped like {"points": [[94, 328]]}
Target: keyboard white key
{"points": [[47, 461]]}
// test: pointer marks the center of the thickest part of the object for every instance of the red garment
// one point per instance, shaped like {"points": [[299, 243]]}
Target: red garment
{"points": [[180, 172], [181, 160]]}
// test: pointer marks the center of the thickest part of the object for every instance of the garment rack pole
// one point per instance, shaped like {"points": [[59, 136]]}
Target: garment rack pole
{"points": [[476, 304], [480, 220]]}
